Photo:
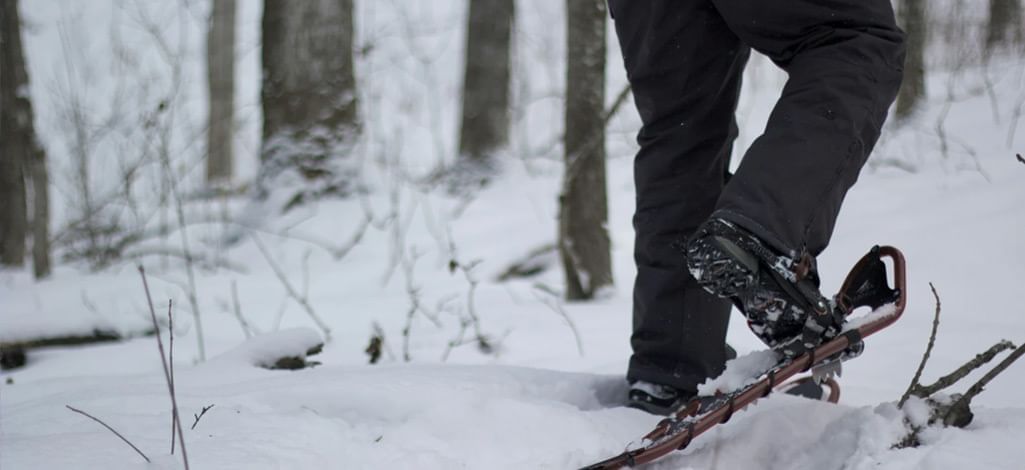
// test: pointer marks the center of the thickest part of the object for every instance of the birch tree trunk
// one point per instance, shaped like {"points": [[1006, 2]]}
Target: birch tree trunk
{"points": [[309, 97], [220, 61], [485, 109], [583, 212], [912, 16]]}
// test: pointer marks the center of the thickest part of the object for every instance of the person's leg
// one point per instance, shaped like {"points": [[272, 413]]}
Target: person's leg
{"points": [[845, 61], [684, 66]]}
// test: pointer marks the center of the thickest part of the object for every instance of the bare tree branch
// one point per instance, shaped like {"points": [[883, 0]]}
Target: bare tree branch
{"points": [[954, 377], [170, 362], [237, 309], [76, 410], [200, 415], [167, 371], [928, 350], [977, 388], [301, 300]]}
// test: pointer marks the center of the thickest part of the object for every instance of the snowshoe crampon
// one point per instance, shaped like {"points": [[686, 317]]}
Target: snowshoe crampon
{"points": [[866, 286]]}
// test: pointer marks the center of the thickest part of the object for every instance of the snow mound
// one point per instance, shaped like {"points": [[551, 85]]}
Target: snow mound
{"points": [[268, 350]]}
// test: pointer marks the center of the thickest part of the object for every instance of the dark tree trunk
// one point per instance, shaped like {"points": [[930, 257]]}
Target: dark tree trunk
{"points": [[485, 114], [912, 16], [310, 117], [17, 141], [583, 212], [40, 179], [220, 61], [1004, 23]]}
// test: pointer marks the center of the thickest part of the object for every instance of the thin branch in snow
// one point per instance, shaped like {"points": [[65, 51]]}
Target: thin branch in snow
{"points": [[170, 362], [408, 264], [928, 350], [963, 371], [76, 410], [301, 300], [977, 388], [237, 309], [555, 304], [167, 371], [200, 415]]}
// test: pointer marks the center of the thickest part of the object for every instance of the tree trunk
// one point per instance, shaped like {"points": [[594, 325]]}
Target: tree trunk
{"points": [[309, 98], [16, 139], [583, 212], [912, 15], [1004, 23], [485, 114], [220, 61], [40, 214]]}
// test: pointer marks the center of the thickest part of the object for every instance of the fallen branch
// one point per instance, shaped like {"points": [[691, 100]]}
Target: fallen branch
{"points": [[76, 410], [950, 379], [977, 388]]}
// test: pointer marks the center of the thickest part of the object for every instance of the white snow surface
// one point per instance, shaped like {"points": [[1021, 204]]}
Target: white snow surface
{"points": [[550, 392], [741, 371]]}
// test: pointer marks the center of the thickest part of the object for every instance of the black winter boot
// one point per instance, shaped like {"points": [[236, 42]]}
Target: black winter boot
{"points": [[778, 295]]}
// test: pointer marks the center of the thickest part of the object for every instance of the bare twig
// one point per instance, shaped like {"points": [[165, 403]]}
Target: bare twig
{"points": [[977, 388], [1020, 158], [170, 362], [76, 410], [301, 300], [952, 378], [928, 350], [555, 304], [237, 309], [167, 371], [415, 304], [200, 415]]}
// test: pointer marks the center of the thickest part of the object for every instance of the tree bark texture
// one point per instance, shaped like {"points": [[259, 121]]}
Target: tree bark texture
{"points": [[40, 179], [309, 91], [583, 209], [17, 141], [1004, 23], [220, 61], [912, 15], [485, 114]]}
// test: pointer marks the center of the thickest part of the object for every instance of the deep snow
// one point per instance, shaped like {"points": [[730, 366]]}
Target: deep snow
{"points": [[536, 401]]}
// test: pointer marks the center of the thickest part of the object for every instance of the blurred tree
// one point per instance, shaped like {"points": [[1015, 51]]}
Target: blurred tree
{"points": [[310, 116], [22, 159], [583, 209], [485, 114], [912, 16], [1004, 23], [220, 61]]}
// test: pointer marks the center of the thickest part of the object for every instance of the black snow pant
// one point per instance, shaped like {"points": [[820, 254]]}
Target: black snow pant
{"points": [[684, 60]]}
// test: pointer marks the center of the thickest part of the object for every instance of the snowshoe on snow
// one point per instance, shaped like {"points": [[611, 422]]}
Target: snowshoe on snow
{"points": [[866, 286]]}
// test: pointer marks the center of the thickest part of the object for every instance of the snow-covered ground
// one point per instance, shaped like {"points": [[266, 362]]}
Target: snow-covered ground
{"points": [[548, 392]]}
